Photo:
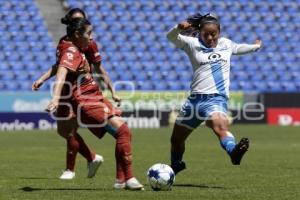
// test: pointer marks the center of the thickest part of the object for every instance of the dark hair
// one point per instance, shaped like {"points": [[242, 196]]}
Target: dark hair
{"points": [[198, 20], [77, 24], [209, 18], [68, 17]]}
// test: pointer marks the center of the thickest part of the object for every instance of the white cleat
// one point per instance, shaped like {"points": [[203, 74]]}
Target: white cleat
{"points": [[133, 184], [94, 165], [67, 175], [118, 185]]}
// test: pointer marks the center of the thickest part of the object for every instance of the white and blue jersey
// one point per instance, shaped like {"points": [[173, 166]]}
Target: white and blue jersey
{"points": [[211, 68]]}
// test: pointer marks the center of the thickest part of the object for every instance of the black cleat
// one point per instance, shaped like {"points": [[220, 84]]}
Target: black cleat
{"points": [[239, 151], [179, 166]]}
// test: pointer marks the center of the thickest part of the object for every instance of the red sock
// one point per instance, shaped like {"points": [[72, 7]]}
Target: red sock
{"points": [[84, 149], [123, 153], [120, 175], [72, 149]]}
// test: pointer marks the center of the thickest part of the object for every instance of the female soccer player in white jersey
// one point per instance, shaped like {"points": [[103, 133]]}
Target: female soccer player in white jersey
{"points": [[209, 55]]}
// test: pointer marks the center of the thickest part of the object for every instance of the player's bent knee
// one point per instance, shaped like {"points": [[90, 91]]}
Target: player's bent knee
{"points": [[66, 128], [123, 132], [115, 122]]}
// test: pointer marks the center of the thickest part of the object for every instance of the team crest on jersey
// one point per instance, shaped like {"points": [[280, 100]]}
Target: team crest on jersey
{"points": [[214, 56], [72, 49]]}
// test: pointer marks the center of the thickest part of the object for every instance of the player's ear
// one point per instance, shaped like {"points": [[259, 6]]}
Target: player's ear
{"points": [[77, 34]]}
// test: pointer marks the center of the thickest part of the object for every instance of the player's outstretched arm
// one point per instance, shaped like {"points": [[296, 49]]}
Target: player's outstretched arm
{"points": [[58, 85], [100, 70], [44, 77], [239, 49], [258, 42]]}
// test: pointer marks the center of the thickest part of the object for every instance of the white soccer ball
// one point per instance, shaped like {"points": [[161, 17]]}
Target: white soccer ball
{"points": [[161, 177]]}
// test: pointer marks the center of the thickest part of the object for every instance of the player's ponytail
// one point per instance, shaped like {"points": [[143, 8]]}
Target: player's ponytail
{"points": [[77, 24], [194, 20], [68, 17]]}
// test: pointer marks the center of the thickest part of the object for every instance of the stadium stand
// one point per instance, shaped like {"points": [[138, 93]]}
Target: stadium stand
{"points": [[132, 41], [25, 45]]}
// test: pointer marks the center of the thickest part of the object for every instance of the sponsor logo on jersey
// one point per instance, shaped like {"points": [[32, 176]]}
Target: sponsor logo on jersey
{"points": [[106, 109], [214, 58], [67, 62]]}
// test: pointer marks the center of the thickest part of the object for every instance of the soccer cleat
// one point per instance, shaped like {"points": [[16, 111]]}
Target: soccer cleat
{"points": [[67, 175], [239, 151], [178, 166], [133, 184], [118, 185], [94, 165]]}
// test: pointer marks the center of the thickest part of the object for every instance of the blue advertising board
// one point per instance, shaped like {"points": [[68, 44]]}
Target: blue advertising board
{"points": [[25, 121], [24, 101]]}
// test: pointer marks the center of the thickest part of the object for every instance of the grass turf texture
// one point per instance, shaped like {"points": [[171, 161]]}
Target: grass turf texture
{"points": [[32, 161]]}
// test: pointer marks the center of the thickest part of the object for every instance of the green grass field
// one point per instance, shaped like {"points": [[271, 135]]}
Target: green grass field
{"points": [[30, 163]]}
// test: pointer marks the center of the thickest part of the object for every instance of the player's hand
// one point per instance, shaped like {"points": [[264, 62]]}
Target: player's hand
{"points": [[52, 106], [259, 42], [117, 99], [184, 25], [36, 85]]}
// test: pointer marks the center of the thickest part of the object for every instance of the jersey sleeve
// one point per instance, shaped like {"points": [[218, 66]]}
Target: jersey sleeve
{"points": [[92, 53], [70, 59], [180, 41], [239, 49]]}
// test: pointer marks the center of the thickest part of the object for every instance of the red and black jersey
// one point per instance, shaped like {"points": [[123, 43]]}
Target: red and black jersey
{"points": [[91, 52], [70, 57]]}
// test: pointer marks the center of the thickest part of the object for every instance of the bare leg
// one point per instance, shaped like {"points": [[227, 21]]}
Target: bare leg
{"points": [[219, 124]]}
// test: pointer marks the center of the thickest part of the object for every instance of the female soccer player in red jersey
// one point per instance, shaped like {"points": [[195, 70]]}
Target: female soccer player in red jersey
{"points": [[87, 100], [67, 128]]}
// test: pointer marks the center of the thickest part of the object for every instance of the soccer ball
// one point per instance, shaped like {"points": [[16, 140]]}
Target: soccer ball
{"points": [[161, 177]]}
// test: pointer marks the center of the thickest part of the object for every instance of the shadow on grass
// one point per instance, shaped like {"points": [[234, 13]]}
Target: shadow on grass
{"points": [[199, 186], [31, 189], [37, 178]]}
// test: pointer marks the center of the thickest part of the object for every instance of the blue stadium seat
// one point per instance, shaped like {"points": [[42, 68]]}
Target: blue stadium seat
{"points": [[245, 86], [140, 76], [174, 85], [274, 86], [10, 85], [260, 86], [256, 76], [241, 76], [234, 86], [170, 75], [126, 76], [289, 86], [155, 76], [144, 85], [185, 76], [158, 85]]}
